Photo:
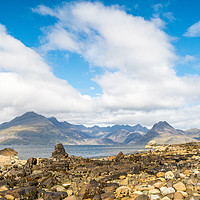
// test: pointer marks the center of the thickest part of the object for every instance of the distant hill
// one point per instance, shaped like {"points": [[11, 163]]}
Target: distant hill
{"points": [[163, 133], [32, 128]]}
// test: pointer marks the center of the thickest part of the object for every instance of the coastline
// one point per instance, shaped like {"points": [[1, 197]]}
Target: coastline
{"points": [[85, 151], [168, 173]]}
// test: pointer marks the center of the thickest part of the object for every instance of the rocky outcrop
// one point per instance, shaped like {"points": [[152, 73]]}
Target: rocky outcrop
{"points": [[59, 151], [8, 152], [9, 157]]}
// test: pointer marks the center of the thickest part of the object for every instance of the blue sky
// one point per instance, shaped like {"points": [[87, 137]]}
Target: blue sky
{"points": [[87, 64]]}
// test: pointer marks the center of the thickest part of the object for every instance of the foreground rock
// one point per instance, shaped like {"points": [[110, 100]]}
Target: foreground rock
{"points": [[172, 173], [8, 152], [59, 151], [8, 157]]}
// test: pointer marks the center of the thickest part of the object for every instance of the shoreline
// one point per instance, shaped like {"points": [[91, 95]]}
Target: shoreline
{"points": [[86, 151], [172, 172]]}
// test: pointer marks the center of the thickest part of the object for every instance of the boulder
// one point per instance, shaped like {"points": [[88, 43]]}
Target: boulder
{"points": [[23, 193], [59, 151], [32, 161], [178, 196], [122, 191], [179, 186], [119, 156], [8, 152]]}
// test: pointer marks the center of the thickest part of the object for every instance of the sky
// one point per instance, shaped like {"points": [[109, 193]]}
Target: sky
{"points": [[101, 62]]}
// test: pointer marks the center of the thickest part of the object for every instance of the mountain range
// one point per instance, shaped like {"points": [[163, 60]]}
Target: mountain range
{"points": [[32, 128]]}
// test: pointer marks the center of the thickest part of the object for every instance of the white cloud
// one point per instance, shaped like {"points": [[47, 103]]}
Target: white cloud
{"points": [[138, 51], [187, 59], [27, 83], [139, 84], [169, 16], [193, 31]]}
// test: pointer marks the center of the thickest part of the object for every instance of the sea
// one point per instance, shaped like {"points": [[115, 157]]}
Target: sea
{"points": [[85, 151]]}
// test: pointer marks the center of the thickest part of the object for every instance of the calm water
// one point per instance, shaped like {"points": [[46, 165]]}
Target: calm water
{"points": [[86, 151]]}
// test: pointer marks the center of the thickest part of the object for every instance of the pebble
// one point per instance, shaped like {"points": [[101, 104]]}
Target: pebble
{"points": [[169, 190], [169, 175], [154, 197]]}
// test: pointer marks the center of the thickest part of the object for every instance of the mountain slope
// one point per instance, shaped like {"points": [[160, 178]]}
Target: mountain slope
{"points": [[163, 133], [32, 128]]}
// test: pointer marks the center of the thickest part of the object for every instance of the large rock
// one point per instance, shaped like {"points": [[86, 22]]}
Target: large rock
{"points": [[179, 186], [23, 193], [122, 191], [8, 152], [59, 151]]}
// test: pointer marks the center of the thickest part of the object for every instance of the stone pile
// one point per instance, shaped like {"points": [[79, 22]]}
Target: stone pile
{"points": [[168, 173]]}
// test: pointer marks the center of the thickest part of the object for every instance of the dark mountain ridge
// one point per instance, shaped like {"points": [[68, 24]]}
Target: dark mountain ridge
{"points": [[31, 128]]}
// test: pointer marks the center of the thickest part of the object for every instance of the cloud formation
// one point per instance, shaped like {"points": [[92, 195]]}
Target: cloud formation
{"points": [[193, 31], [139, 83], [136, 54], [27, 83]]}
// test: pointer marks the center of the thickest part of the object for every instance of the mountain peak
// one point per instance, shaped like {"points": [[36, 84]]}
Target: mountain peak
{"points": [[29, 117], [161, 125], [30, 114]]}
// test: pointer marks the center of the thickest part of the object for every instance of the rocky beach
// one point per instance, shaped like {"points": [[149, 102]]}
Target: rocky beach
{"points": [[167, 172]]}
